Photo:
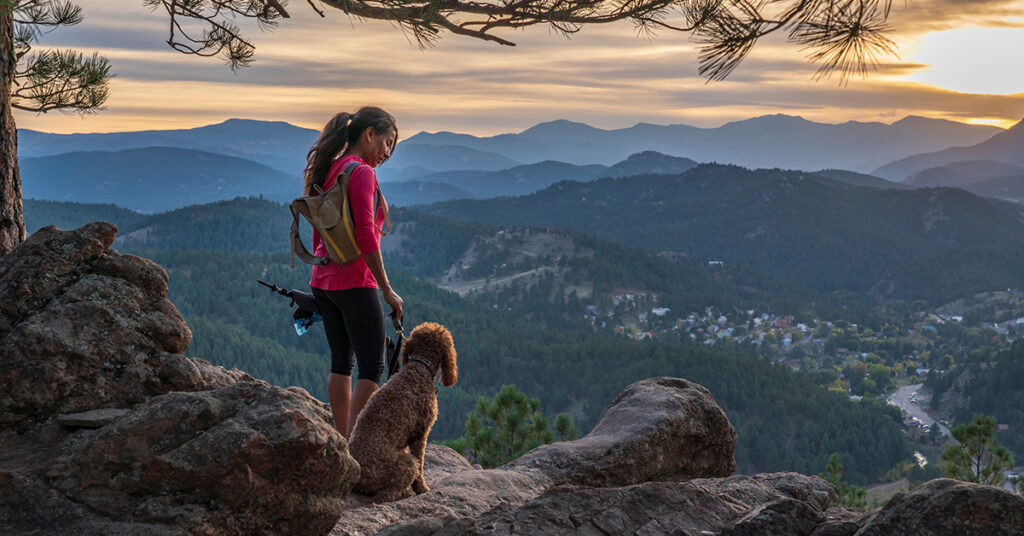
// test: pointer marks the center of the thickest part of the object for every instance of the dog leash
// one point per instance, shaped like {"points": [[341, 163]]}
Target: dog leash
{"points": [[394, 349]]}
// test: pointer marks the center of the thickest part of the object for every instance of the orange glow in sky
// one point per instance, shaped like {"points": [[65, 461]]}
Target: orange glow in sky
{"points": [[958, 61]]}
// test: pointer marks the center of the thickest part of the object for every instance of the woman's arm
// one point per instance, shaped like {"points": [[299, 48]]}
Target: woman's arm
{"points": [[376, 264], [362, 196]]}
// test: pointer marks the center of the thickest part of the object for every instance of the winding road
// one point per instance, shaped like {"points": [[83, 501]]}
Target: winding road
{"points": [[901, 399]]}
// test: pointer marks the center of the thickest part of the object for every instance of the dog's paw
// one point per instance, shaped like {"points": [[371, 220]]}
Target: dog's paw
{"points": [[392, 495], [420, 487]]}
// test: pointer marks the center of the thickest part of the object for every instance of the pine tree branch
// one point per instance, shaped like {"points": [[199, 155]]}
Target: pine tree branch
{"points": [[843, 36]]}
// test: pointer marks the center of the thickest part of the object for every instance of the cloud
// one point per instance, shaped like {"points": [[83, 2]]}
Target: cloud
{"points": [[310, 68]]}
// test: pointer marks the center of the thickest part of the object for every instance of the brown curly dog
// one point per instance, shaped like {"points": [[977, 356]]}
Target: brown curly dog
{"points": [[390, 435]]}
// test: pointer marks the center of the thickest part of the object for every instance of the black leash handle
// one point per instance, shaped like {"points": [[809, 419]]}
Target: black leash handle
{"points": [[396, 323], [394, 349]]}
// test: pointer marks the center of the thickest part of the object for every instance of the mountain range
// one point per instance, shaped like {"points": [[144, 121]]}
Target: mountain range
{"points": [[152, 171], [768, 141], [1005, 147], [276, 144], [529, 178], [821, 234], [151, 179]]}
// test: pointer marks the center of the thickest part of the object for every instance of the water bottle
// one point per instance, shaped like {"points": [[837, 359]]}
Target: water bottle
{"points": [[302, 325]]}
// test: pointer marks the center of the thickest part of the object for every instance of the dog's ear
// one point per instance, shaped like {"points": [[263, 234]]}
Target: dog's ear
{"points": [[449, 368]]}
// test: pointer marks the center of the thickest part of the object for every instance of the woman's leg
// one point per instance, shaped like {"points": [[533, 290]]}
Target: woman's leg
{"points": [[339, 391], [364, 322], [339, 383]]}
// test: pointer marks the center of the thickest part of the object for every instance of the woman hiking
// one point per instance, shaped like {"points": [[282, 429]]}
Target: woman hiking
{"points": [[347, 294]]}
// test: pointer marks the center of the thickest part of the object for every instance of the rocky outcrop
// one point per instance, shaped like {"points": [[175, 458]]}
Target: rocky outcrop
{"points": [[946, 506], [688, 507], [84, 327], [625, 478], [660, 429], [180, 446], [657, 429]]}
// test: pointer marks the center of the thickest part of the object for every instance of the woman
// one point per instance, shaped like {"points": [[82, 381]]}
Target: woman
{"points": [[347, 294]]}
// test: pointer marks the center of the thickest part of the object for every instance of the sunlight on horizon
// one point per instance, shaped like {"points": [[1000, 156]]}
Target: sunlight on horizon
{"points": [[972, 60]]}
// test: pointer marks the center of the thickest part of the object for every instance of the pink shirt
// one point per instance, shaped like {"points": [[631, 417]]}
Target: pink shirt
{"points": [[362, 191]]}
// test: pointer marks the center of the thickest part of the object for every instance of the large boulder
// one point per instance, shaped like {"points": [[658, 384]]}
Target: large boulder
{"points": [[657, 429], [83, 327], [173, 445], [945, 506], [247, 458], [650, 508], [661, 429]]}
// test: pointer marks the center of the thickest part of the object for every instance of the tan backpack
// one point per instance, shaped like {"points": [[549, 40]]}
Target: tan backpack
{"points": [[331, 215]]}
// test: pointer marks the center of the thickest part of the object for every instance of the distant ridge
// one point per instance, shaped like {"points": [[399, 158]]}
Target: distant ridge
{"points": [[151, 179], [960, 174], [1006, 146], [770, 141], [931, 243], [276, 144], [528, 178]]}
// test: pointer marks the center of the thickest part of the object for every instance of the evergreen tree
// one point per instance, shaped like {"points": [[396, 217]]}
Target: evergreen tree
{"points": [[37, 81], [978, 457], [850, 495], [508, 426]]}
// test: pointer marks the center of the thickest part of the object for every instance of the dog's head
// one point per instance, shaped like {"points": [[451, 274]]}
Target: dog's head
{"points": [[433, 342]]}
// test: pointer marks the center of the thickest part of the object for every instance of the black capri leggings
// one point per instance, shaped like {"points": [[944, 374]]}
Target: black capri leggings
{"points": [[354, 323]]}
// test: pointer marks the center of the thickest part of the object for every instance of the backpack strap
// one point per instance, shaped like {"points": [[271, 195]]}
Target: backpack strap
{"points": [[379, 202], [298, 248]]}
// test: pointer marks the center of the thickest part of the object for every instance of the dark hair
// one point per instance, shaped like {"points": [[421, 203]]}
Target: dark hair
{"points": [[341, 132]]}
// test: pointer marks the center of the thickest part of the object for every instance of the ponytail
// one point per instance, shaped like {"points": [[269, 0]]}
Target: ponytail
{"points": [[333, 139], [340, 133]]}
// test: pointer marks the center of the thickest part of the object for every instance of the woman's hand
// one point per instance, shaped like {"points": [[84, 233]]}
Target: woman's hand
{"points": [[394, 300]]}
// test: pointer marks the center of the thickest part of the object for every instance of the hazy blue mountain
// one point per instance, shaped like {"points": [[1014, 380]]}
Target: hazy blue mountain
{"points": [[521, 179], [859, 179], [651, 162], [406, 193], [824, 235], [529, 178], [1006, 147], [960, 174], [1011, 188], [440, 158], [768, 141], [151, 179], [276, 144]]}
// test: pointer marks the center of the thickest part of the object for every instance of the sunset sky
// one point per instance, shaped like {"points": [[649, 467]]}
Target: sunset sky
{"points": [[958, 59]]}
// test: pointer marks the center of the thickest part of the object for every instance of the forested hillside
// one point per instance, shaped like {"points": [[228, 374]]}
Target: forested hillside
{"points": [[784, 420], [71, 215], [813, 232], [151, 179], [989, 383], [558, 278]]}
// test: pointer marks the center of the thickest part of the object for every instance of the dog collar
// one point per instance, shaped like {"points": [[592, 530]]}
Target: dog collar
{"points": [[424, 362]]}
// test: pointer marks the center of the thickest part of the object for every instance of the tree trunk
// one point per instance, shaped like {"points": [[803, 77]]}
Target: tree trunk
{"points": [[12, 222]]}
